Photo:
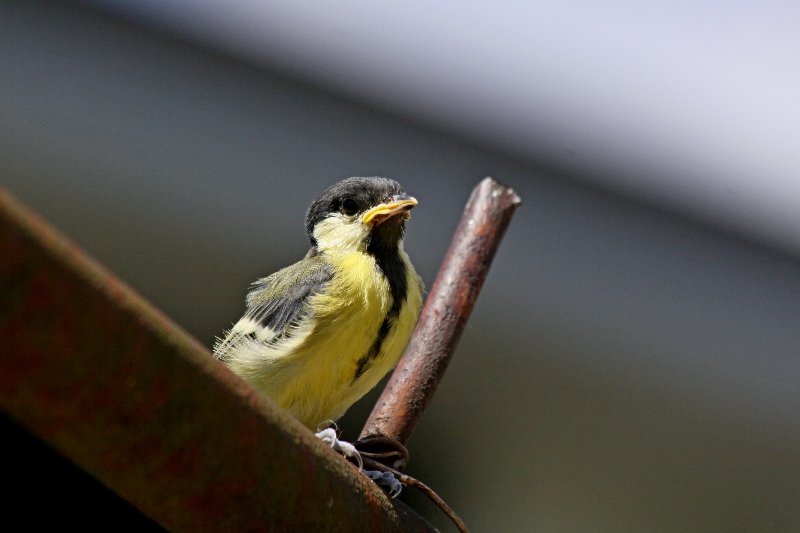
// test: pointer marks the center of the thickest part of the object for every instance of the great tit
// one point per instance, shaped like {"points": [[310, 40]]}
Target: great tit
{"points": [[319, 334]]}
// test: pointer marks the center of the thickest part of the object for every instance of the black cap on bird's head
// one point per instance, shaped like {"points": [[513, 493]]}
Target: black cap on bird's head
{"points": [[377, 203]]}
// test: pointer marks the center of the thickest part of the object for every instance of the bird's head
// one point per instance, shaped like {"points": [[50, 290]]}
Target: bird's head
{"points": [[359, 213]]}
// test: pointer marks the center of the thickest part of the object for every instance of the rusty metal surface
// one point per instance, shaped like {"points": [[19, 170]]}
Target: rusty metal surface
{"points": [[447, 308], [105, 378]]}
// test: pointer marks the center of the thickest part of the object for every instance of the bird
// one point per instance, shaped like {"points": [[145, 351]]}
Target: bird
{"points": [[317, 335]]}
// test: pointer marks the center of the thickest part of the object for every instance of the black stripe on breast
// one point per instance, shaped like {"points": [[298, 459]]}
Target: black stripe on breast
{"points": [[393, 269], [374, 350]]}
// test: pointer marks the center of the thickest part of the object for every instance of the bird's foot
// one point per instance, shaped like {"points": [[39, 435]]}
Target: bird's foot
{"points": [[385, 480], [388, 456], [329, 437]]}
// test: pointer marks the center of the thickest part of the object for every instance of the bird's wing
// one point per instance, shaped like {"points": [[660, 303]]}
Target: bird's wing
{"points": [[276, 304]]}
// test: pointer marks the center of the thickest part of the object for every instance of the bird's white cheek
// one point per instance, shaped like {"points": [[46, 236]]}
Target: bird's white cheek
{"points": [[338, 232]]}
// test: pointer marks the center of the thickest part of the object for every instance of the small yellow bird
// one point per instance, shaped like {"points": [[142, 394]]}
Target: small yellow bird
{"points": [[319, 334]]}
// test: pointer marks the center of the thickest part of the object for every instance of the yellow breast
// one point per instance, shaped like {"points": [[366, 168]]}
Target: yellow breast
{"points": [[325, 372]]}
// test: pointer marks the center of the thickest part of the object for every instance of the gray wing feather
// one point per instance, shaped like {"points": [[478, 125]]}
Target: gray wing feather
{"points": [[277, 303], [282, 298]]}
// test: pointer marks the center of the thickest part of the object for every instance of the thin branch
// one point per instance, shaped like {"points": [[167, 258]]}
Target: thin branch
{"points": [[442, 320], [447, 308]]}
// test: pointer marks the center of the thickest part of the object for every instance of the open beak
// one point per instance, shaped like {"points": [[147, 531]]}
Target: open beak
{"points": [[399, 204]]}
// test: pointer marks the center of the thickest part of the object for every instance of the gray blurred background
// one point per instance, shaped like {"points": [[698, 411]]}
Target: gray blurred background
{"points": [[633, 361]]}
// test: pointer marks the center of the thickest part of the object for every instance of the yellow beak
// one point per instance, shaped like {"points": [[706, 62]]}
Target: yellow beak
{"points": [[400, 203]]}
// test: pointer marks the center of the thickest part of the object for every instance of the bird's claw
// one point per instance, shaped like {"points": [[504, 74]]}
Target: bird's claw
{"points": [[329, 437], [387, 480]]}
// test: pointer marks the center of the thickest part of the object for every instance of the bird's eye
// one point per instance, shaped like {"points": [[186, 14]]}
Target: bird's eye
{"points": [[349, 207]]}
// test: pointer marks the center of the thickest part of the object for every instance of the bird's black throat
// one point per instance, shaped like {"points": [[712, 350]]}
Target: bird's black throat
{"points": [[383, 246]]}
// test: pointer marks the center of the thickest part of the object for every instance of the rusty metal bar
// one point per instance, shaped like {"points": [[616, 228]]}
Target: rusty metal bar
{"points": [[105, 378], [447, 308]]}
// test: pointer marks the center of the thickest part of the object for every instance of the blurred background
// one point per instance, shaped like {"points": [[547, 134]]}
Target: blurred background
{"points": [[633, 362]]}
